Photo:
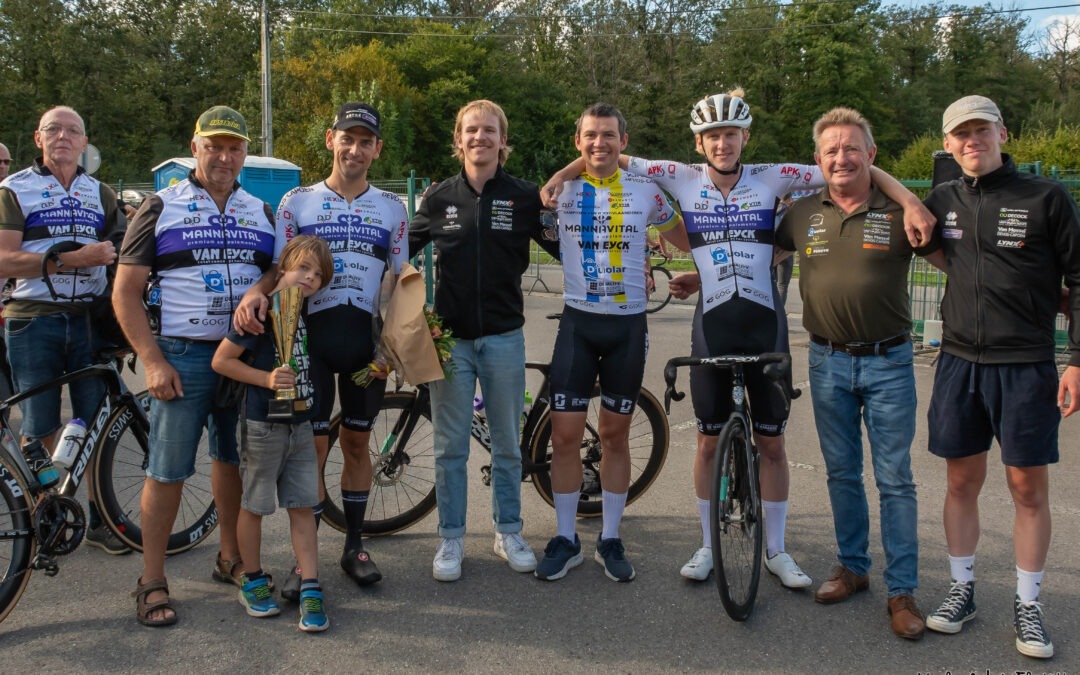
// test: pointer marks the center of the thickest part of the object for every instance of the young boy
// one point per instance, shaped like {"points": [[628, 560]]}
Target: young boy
{"points": [[275, 456]]}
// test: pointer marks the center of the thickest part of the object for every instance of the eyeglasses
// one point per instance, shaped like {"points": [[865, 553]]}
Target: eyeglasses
{"points": [[55, 129], [5, 162]]}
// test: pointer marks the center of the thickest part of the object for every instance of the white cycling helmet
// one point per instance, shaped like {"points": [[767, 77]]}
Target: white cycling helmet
{"points": [[720, 110]]}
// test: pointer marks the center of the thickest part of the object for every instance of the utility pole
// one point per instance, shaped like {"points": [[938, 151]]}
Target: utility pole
{"points": [[267, 120]]}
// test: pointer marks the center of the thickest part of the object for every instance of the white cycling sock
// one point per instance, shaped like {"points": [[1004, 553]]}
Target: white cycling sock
{"points": [[566, 513], [962, 568], [775, 524], [614, 504], [706, 527], [1028, 584]]}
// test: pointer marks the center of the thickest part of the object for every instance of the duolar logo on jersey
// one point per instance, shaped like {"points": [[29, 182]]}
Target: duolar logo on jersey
{"points": [[720, 256], [215, 281]]}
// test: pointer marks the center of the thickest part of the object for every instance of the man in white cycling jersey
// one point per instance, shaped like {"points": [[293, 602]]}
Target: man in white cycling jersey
{"points": [[604, 216], [729, 209], [367, 230]]}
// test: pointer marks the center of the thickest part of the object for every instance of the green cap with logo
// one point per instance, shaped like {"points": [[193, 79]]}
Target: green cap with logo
{"points": [[222, 121]]}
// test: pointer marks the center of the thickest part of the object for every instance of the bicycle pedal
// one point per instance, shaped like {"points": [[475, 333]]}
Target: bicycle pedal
{"points": [[46, 565]]}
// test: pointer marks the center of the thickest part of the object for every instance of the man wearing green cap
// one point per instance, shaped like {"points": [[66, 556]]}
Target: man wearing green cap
{"points": [[200, 244]]}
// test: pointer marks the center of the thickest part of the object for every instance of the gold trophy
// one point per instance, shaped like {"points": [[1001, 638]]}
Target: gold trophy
{"points": [[285, 308]]}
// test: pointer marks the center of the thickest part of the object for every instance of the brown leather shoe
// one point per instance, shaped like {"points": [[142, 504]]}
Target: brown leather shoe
{"points": [[841, 585], [907, 620]]}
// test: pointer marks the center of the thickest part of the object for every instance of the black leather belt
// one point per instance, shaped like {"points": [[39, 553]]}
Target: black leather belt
{"points": [[861, 348]]}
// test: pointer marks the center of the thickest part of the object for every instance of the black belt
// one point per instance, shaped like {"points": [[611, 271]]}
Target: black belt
{"points": [[862, 348], [191, 341]]}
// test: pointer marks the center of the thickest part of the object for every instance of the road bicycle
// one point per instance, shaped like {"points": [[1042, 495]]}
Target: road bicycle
{"points": [[38, 525], [735, 498], [403, 456], [658, 299]]}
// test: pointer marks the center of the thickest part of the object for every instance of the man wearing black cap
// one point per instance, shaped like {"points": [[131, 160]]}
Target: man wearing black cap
{"points": [[200, 244], [367, 229], [1007, 240]]}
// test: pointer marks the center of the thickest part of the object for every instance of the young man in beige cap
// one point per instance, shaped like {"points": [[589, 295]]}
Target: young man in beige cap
{"points": [[1007, 239], [200, 243]]}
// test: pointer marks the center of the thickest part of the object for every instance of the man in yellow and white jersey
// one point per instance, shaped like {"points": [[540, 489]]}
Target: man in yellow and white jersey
{"points": [[603, 217]]}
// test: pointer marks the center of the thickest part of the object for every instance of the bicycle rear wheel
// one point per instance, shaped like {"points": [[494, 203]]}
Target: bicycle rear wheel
{"points": [[661, 295], [17, 541], [648, 451], [403, 481], [735, 514], [120, 472]]}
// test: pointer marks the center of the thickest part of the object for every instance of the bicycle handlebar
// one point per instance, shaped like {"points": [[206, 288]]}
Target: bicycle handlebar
{"points": [[777, 365]]}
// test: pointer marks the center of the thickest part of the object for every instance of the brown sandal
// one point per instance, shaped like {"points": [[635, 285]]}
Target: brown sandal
{"points": [[143, 609], [225, 572]]}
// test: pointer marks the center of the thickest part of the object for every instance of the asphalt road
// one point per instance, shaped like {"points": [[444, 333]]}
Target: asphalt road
{"points": [[495, 620]]}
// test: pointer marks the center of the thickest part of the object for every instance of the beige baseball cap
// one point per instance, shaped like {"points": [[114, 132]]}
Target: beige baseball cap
{"points": [[969, 108]]}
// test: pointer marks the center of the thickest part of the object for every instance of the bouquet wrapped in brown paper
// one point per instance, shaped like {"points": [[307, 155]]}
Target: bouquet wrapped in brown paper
{"points": [[413, 340]]}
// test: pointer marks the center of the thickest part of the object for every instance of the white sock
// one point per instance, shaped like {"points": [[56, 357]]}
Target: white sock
{"points": [[775, 524], [706, 527], [1027, 585], [614, 504], [566, 513], [962, 568]]}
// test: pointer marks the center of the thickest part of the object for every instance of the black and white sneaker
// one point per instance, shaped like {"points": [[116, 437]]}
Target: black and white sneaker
{"points": [[1031, 638], [956, 609]]}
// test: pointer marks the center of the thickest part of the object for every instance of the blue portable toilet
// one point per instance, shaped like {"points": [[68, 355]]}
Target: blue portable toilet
{"points": [[268, 178]]}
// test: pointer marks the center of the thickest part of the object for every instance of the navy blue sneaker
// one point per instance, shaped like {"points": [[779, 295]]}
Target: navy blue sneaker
{"points": [[560, 556], [611, 554]]}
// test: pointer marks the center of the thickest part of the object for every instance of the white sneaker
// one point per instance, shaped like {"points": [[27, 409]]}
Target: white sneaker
{"points": [[447, 563], [515, 550], [700, 565], [785, 567]]}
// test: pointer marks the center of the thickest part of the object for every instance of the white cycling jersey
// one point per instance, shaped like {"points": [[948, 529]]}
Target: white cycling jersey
{"points": [[603, 243], [731, 239], [366, 236]]}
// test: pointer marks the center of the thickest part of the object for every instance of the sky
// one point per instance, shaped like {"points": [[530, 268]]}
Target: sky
{"points": [[1040, 13]]}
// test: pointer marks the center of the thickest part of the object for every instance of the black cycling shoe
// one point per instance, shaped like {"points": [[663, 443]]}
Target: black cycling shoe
{"points": [[359, 565], [291, 589]]}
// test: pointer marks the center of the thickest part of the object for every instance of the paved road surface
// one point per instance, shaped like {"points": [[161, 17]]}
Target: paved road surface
{"points": [[494, 620]]}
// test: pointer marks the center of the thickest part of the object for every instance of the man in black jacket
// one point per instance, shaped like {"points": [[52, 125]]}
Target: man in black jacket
{"points": [[1007, 240], [481, 221]]}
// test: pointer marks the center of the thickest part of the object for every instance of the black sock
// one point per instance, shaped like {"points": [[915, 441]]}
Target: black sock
{"points": [[253, 576], [354, 504], [95, 516], [310, 585]]}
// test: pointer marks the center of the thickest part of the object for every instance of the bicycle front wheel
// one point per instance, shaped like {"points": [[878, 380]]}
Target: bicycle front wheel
{"points": [[661, 295], [735, 514], [121, 458], [648, 451], [17, 541], [403, 468]]}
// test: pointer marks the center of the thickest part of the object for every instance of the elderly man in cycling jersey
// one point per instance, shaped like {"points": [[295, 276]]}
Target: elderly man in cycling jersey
{"points": [[730, 210], [55, 201], [603, 225], [200, 244]]}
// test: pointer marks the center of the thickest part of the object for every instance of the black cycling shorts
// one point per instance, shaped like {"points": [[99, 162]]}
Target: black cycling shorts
{"points": [[611, 346], [710, 390], [340, 342], [974, 403]]}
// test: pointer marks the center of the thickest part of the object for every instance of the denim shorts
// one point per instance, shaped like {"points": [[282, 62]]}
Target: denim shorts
{"points": [[1016, 403], [278, 459], [43, 348], [176, 426]]}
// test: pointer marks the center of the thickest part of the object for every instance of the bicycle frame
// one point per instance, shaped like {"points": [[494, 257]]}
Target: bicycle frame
{"points": [[114, 395]]}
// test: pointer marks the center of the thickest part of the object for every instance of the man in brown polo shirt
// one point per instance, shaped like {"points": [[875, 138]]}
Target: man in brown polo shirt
{"points": [[853, 265]]}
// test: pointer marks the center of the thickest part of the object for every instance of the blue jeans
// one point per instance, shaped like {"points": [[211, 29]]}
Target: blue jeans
{"points": [[44, 348], [176, 426], [498, 362], [880, 390]]}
